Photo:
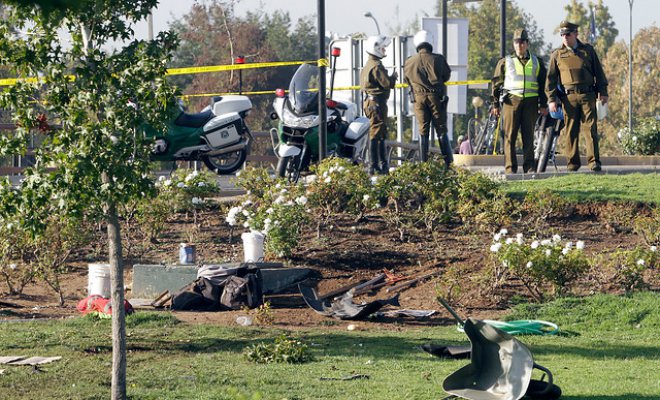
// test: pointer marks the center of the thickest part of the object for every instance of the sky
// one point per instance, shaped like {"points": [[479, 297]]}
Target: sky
{"points": [[347, 16]]}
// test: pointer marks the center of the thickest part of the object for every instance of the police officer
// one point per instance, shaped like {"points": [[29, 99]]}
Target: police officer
{"points": [[519, 81], [576, 67], [426, 73], [376, 84]]}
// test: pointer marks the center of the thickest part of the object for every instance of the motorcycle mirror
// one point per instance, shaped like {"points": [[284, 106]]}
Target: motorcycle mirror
{"points": [[336, 51], [273, 116], [279, 92]]}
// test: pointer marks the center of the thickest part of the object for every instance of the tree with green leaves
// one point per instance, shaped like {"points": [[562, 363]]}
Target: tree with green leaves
{"points": [[98, 159], [259, 37], [646, 84], [606, 31]]}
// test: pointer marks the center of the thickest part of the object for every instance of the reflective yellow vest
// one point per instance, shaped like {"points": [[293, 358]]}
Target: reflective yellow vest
{"points": [[521, 80]]}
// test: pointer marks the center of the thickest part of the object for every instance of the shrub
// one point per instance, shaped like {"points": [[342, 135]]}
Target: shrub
{"points": [[340, 187], [630, 265], [547, 261], [541, 205], [283, 350], [425, 188], [280, 213], [481, 203], [648, 227], [15, 268], [645, 138], [187, 190]]}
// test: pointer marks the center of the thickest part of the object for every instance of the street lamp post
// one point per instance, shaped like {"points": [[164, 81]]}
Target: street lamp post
{"points": [[323, 111], [630, 72], [368, 14]]}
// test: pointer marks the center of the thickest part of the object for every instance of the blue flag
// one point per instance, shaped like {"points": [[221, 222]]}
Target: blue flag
{"points": [[592, 27]]}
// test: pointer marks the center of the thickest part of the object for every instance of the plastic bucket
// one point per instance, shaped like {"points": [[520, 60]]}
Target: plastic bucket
{"points": [[187, 254], [98, 280], [253, 246]]}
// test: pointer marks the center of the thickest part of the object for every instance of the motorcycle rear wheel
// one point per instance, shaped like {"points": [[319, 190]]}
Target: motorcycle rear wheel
{"points": [[225, 164]]}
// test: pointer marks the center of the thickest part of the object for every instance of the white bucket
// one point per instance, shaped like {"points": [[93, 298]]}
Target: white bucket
{"points": [[253, 246], [98, 280], [187, 253]]}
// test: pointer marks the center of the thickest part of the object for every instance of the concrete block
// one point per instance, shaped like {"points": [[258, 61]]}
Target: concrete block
{"points": [[151, 280]]}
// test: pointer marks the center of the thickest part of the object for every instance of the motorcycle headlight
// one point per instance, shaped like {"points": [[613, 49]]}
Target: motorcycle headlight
{"points": [[303, 122]]}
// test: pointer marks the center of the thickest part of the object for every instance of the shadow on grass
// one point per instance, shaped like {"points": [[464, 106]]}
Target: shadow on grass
{"points": [[630, 396], [619, 352]]}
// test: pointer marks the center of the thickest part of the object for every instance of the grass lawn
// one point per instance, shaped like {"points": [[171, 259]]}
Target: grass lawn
{"points": [[610, 350], [643, 188]]}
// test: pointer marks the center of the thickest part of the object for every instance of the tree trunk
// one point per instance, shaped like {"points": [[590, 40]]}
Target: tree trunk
{"points": [[118, 312]]}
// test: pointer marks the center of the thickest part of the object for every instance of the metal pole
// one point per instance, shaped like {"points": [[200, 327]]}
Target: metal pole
{"points": [[502, 28], [150, 25], [444, 28], [630, 74], [323, 125]]}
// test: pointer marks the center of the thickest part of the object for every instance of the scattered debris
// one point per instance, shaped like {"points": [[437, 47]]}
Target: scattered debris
{"points": [[500, 367], [411, 282], [346, 378], [452, 352], [344, 307], [100, 306], [23, 360], [163, 299], [418, 314]]}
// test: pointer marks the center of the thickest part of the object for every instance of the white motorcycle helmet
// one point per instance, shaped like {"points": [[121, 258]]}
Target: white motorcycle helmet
{"points": [[422, 37], [377, 45]]}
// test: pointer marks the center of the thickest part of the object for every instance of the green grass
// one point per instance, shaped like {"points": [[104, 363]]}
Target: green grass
{"points": [[611, 350], [643, 188]]}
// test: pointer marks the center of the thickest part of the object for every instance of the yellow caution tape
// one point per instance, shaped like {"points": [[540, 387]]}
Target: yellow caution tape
{"points": [[216, 68], [13, 81]]}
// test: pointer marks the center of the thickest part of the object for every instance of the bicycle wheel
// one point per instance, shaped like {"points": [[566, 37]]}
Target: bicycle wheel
{"points": [[475, 125], [545, 149]]}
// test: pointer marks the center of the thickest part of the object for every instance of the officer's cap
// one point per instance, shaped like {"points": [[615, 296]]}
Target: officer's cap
{"points": [[567, 27], [520, 34]]}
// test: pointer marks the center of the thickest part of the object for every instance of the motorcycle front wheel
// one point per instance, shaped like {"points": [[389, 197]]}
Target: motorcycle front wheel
{"points": [[227, 163], [289, 168]]}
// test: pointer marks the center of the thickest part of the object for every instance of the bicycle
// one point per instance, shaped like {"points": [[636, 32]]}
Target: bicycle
{"points": [[546, 135], [488, 139]]}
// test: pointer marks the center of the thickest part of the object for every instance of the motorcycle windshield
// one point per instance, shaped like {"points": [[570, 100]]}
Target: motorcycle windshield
{"points": [[304, 90]]}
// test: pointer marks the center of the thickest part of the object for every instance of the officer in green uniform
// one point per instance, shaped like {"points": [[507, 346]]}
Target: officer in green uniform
{"points": [[376, 84], [519, 81], [576, 67], [426, 73]]}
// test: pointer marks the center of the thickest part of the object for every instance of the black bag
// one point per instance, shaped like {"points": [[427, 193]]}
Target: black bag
{"points": [[199, 295], [243, 291], [222, 289]]}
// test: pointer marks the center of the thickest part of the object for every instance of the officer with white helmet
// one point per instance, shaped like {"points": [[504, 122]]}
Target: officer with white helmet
{"points": [[377, 84], [426, 73]]}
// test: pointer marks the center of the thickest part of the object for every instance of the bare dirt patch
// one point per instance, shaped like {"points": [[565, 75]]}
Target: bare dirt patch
{"points": [[346, 252]]}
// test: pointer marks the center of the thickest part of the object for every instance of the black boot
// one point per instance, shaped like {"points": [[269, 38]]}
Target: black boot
{"points": [[373, 156], [447, 152], [423, 148], [382, 154]]}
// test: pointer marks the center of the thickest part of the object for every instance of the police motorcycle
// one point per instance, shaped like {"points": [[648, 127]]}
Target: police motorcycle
{"points": [[296, 139], [218, 135]]}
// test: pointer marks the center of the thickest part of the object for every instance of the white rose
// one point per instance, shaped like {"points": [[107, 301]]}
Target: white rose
{"points": [[579, 245], [535, 244], [529, 264], [495, 247], [641, 262]]}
